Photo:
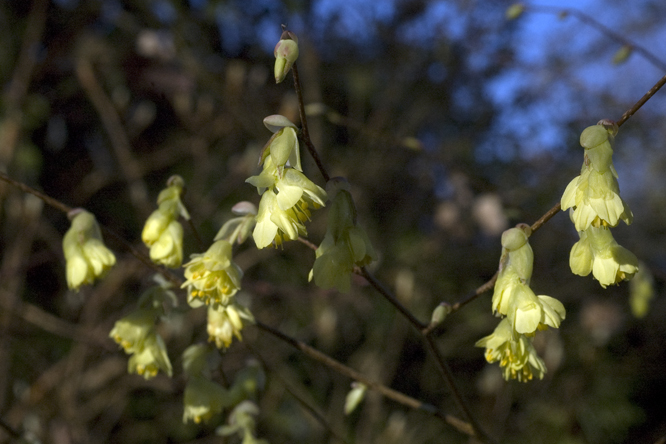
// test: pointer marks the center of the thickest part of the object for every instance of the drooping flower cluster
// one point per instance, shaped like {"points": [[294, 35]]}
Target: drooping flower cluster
{"points": [[287, 195], [162, 233], [136, 334], [593, 199], [345, 244], [213, 278], [86, 255], [225, 322], [524, 312]]}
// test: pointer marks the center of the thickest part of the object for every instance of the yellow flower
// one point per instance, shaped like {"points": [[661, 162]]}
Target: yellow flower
{"points": [[599, 253], [203, 399], [595, 194], [212, 277], [225, 322], [162, 232], [286, 53], [131, 331], [512, 295], [514, 352], [277, 225], [85, 253], [152, 358]]}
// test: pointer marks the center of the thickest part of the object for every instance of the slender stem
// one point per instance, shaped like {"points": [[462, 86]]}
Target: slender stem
{"points": [[305, 133], [392, 299], [304, 404], [447, 374], [630, 112], [394, 395], [443, 368], [26, 189], [590, 21]]}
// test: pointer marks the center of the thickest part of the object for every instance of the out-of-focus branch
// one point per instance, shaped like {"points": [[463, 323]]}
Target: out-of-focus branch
{"points": [[394, 395], [592, 22], [119, 140]]}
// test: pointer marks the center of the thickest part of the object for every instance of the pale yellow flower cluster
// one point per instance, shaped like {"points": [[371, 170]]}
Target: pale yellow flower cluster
{"points": [[136, 334], [162, 232], [213, 279], [595, 205], [524, 312], [86, 256], [287, 195], [345, 245]]}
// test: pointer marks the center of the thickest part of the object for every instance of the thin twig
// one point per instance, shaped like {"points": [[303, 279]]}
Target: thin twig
{"points": [[630, 112], [119, 140], [318, 416], [305, 134], [394, 395], [392, 299], [590, 21]]}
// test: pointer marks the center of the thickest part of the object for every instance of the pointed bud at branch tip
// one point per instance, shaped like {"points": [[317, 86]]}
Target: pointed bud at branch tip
{"points": [[286, 53]]}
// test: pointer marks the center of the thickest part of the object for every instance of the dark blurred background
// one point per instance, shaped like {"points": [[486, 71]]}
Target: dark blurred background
{"points": [[450, 122]]}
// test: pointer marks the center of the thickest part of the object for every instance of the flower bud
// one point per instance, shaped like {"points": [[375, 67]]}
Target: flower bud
{"points": [[286, 53]]}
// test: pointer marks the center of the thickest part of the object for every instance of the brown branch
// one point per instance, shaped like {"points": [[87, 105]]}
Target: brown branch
{"points": [[630, 112], [317, 415], [387, 392], [392, 299]]}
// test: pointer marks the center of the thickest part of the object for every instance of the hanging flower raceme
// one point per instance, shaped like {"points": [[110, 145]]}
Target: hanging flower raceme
{"points": [[162, 233], [225, 322], [136, 334], [345, 245], [85, 253], [594, 195], [287, 195], [150, 359], [524, 312], [513, 296], [286, 53], [514, 352], [212, 277], [599, 253], [595, 205]]}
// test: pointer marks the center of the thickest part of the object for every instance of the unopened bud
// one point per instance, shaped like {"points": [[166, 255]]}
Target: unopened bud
{"points": [[286, 53], [440, 313], [354, 397]]}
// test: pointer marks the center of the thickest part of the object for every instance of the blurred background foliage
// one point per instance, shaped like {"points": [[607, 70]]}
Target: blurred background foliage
{"points": [[450, 122]]}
